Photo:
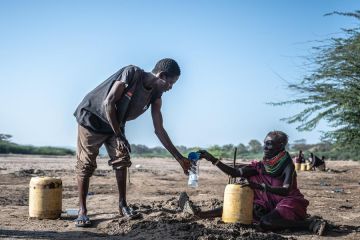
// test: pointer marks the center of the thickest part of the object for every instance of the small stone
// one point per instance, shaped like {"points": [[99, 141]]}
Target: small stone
{"points": [[345, 207]]}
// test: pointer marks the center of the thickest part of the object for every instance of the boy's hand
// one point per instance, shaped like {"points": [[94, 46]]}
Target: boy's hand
{"points": [[123, 144], [185, 164], [205, 154]]}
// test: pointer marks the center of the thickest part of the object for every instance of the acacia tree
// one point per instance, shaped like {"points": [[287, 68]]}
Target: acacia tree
{"points": [[331, 90], [5, 137]]}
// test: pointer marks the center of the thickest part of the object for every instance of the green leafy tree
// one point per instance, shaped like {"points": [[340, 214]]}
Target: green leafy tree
{"points": [[255, 146], [6, 146], [140, 149], [242, 148], [331, 90], [300, 144], [5, 137], [228, 148]]}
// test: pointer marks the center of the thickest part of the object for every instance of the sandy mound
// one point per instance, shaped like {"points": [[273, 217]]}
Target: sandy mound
{"points": [[164, 220]]}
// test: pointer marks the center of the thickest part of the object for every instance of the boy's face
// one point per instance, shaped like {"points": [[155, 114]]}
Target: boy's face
{"points": [[164, 82], [272, 146]]}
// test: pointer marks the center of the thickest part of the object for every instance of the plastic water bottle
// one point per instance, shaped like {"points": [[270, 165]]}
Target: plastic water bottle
{"points": [[194, 158]]}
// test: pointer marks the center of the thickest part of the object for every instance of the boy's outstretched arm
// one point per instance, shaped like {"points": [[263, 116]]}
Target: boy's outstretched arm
{"points": [[163, 136]]}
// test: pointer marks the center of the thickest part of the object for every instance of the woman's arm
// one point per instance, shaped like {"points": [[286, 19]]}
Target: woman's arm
{"points": [[242, 171], [289, 172]]}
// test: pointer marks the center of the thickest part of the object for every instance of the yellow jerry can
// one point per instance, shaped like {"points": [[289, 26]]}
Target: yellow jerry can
{"points": [[297, 166], [238, 204], [303, 167], [45, 198], [308, 166]]}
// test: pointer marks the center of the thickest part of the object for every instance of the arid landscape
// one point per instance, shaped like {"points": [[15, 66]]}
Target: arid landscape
{"points": [[155, 185]]}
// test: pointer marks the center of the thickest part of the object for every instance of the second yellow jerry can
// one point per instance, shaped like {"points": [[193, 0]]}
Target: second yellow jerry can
{"points": [[303, 167], [238, 204]]}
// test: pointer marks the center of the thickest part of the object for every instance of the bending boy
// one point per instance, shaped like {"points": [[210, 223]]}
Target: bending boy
{"points": [[101, 118]]}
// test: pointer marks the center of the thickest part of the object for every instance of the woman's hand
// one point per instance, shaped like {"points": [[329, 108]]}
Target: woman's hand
{"points": [[206, 155], [261, 187]]}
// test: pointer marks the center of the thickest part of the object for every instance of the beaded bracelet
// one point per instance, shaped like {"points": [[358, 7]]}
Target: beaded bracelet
{"points": [[216, 163]]}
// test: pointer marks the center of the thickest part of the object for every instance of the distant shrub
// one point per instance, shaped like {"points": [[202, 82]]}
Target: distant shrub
{"points": [[6, 146]]}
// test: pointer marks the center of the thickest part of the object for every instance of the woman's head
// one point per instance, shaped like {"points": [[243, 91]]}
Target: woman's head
{"points": [[274, 143]]}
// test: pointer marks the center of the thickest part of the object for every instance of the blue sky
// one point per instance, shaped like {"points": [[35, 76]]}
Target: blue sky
{"points": [[231, 54]]}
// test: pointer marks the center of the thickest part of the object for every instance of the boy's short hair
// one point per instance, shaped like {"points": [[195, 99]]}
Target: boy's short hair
{"points": [[168, 66], [283, 137]]}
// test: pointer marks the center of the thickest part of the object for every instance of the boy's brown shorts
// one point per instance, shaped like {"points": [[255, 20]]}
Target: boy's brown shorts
{"points": [[88, 145]]}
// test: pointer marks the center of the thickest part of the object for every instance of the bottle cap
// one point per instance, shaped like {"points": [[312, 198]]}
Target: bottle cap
{"points": [[194, 156]]}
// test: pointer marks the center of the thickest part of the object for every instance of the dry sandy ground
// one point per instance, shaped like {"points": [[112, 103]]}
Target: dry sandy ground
{"points": [[154, 190]]}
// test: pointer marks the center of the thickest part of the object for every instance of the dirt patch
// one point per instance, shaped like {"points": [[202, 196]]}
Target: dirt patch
{"points": [[14, 190], [163, 220]]}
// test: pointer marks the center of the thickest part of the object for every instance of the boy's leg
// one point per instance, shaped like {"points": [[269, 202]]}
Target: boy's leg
{"points": [[88, 145], [83, 188], [120, 161], [121, 175]]}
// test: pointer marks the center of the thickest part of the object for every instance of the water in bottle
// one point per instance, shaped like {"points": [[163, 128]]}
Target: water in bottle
{"points": [[194, 158]]}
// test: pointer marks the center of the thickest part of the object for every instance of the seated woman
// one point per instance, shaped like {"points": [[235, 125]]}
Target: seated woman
{"points": [[278, 203], [317, 163]]}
